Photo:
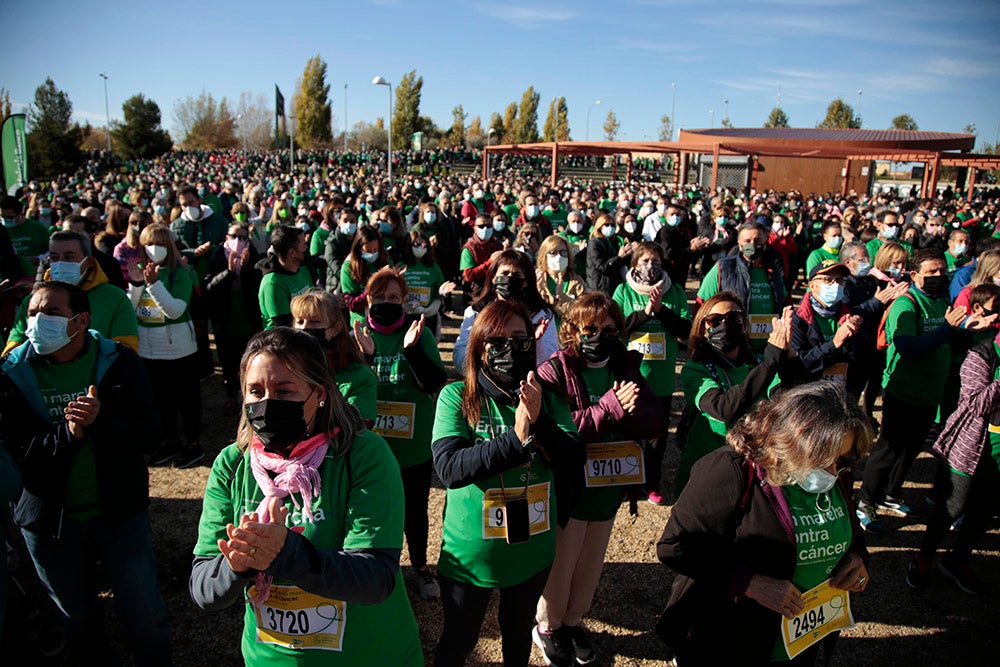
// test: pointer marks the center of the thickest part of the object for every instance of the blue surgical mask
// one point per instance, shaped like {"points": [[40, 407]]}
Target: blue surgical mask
{"points": [[817, 481], [673, 220], [831, 294], [960, 249], [863, 269], [47, 333], [890, 232], [835, 241], [484, 233], [385, 227], [67, 272], [369, 257]]}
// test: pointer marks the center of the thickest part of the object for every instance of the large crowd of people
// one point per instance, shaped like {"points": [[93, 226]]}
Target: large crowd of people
{"points": [[784, 318]]}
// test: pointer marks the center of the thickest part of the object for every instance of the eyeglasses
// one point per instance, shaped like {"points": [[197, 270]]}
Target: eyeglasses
{"points": [[830, 280], [517, 343], [553, 253], [241, 237], [529, 235], [590, 330], [732, 317]]}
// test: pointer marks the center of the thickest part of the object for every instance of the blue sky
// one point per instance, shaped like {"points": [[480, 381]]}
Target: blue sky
{"points": [[937, 61]]}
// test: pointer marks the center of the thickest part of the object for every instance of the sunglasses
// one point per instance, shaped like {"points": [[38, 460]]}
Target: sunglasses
{"points": [[241, 237], [590, 330], [553, 253], [517, 343], [732, 317]]}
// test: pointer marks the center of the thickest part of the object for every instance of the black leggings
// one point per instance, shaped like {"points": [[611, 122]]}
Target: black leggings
{"points": [[416, 489], [465, 607], [177, 389], [656, 448], [954, 495], [904, 429], [231, 349]]}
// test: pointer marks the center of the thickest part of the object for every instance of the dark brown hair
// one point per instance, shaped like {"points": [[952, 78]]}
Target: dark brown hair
{"points": [[491, 322], [591, 307], [698, 346]]}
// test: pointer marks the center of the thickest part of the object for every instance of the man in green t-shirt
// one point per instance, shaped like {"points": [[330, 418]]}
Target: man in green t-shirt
{"points": [[833, 237], [29, 237], [919, 328], [888, 230], [955, 255], [285, 276]]}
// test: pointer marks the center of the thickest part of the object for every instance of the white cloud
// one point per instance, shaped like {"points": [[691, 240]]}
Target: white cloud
{"points": [[528, 17], [952, 67]]}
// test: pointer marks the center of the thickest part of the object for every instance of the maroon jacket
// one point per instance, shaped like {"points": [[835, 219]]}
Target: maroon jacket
{"points": [[481, 252]]}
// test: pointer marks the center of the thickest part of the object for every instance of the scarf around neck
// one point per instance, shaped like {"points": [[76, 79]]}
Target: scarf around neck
{"points": [[642, 288]]}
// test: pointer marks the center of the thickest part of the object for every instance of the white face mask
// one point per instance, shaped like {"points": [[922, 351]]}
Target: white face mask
{"points": [[484, 233], [960, 249], [835, 241], [890, 232], [558, 263], [608, 230], [817, 481], [576, 227], [478, 194], [673, 220], [531, 211], [430, 217], [499, 225], [419, 251], [156, 253], [369, 257], [630, 227], [193, 212], [661, 208], [348, 228], [863, 269]]}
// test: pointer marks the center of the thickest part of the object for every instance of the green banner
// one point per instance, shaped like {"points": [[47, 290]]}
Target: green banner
{"points": [[417, 140], [15, 153]]}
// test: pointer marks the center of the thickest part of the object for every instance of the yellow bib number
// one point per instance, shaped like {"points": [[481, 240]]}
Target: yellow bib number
{"points": [[760, 326], [837, 373], [418, 295], [652, 345], [292, 618], [494, 526], [395, 420], [827, 610], [148, 310], [615, 464]]}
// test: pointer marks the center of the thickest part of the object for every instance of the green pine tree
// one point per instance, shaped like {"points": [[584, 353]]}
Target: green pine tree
{"points": [[140, 135], [312, 107]]}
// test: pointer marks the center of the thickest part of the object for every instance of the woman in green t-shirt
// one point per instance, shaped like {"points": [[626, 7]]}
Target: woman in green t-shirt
{"points": [[302, 521], [723, 379], [366, 257], [556, 278], [501, 450], [320, 315], [425, 284], [408, 366]]}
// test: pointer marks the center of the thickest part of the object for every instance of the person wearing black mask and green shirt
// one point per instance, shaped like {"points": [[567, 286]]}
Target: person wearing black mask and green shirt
{"points": [[919, 329], [511, 278], [408, 365], [756, 274], [723, 378], [504, 450], [285, 276]]}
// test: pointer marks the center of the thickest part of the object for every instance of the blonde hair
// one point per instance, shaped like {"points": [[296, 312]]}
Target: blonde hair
{"points": [[161, 235], [987, 266], [890, 253]]}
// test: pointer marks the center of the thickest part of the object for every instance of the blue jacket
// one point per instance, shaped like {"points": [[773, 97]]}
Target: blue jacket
{"points": [[127, 427]]}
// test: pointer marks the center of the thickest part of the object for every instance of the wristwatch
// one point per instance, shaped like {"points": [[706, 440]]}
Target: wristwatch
{"points": [[529, 441]]}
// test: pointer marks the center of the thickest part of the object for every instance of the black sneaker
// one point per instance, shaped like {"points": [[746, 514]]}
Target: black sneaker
{"points": [[918, 573], [961, 575], [555, 648], [189, 457], [579, 641], [165, 453], [897, 506], [869, 520], [427, 584]]}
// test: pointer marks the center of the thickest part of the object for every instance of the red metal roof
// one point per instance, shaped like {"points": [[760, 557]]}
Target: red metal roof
{"points": [[802, 138]]}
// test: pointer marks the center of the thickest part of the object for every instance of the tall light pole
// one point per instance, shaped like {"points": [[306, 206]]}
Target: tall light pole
{"points": [[243, 130], [489, 142], [673, 110], [726, 102], [859, 108], [379, 81], [107, 109], [345, 117], [587, 133], [712, 112]]}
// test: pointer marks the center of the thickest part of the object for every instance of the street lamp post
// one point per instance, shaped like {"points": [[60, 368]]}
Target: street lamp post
{"points": [[107, 109], [242, 129], [345, 117], [859, 108], [379, 81], [489, 142], [726, 102], [673, 110], [587, 133], [712, 113]]}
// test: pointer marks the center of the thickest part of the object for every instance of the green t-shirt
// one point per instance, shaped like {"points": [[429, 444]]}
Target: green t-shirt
{"points": [[707, 433], [422, 283], [111, 315], [405, 411], [578, 246], [359, 386], [512, 211], [466, 261], [557, 217], [657, 345], [473, 545], [348, 285], [918, 381], [955, 263], [761, 297], [598, 503], [277, 289], [822, 537], [877, 242], [820, 255], [60, 383], [317, 243], [360, 506]]}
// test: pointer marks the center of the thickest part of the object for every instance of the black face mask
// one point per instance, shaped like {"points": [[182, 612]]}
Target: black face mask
{"points": [[509, 287], [280, 425], [385, 314], [597, 347], [320, 336], [935, 285], [650, 274], [723, 338], [508, 367]]}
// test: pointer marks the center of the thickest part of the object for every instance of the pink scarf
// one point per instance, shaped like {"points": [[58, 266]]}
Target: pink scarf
{"points": [[235, 246], [296, 474], [383, 329]]}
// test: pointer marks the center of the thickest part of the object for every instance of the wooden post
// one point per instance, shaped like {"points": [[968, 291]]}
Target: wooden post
{"points": [[972, 183], [555, 162], [486, 163], [935, 175], [754, 166], [614, 167], [628, 170], [715, 169], [847, 177]]}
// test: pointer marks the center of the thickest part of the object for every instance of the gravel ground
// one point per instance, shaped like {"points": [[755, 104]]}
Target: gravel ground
{"points": [[895, 626]]}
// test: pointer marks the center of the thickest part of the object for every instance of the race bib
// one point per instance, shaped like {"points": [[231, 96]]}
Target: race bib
{"points": [[760, 326], [827, 610], [395, 420], [494, 526], [292, 618], [615, 464], [837, 373], [652, 345], [148, 310], [418, 295]]}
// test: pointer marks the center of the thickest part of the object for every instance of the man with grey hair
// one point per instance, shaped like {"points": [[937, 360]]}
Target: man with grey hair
{"points": [[71, 261]]}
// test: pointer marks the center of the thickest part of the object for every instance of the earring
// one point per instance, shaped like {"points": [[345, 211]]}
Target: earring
{"points": [[322, 403]]}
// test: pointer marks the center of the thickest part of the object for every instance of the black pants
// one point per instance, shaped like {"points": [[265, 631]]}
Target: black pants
{"points": [[177, 388], [655, 449], [465, 607], [976, 497], [231, 349], [904, 429], [416, 489]]}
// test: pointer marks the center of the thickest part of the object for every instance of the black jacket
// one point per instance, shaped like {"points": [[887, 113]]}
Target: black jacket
{"points": [[220, 282], [604, 266]]}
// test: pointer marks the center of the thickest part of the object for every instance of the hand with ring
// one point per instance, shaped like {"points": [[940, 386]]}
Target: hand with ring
{"points": [[254, 545], [851, 574]]}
